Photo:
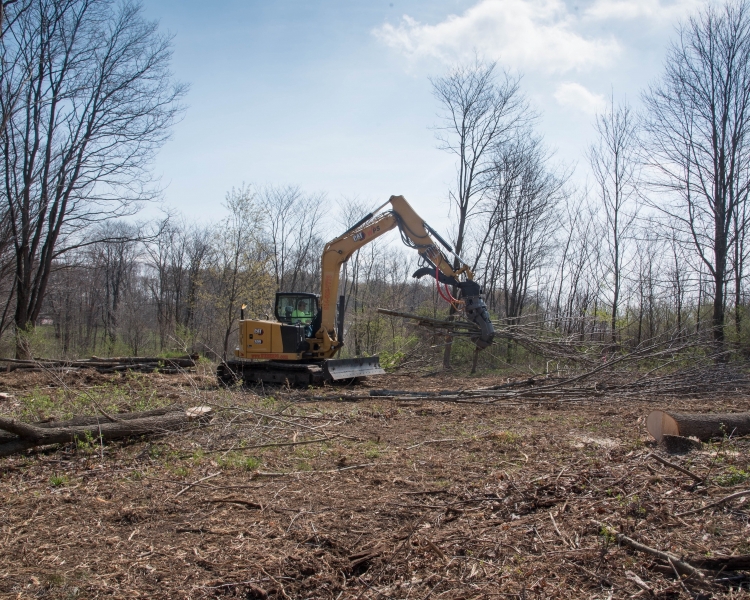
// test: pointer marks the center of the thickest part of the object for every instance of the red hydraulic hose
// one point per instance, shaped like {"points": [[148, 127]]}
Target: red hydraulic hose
{"points": [[447, 296]]}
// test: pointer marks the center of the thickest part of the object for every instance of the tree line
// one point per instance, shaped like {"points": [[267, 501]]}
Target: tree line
{"points": [[653, 245]]}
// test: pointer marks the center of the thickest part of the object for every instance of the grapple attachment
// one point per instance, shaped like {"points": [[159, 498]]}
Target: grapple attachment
{"points": [[476, 312], [476, 309]]}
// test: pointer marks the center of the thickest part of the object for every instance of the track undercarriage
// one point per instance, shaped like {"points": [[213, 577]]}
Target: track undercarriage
{"points": [[297, 373]]}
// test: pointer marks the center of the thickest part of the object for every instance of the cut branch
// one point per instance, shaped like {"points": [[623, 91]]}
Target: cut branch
{"points": [[695, 511]]}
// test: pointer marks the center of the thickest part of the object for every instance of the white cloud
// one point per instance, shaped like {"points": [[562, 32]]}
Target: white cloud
{"points": [[574, 95], [523, 34], [653, 10]]}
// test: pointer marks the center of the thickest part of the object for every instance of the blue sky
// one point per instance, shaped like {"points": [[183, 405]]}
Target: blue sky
{"points": [[334, 96]]}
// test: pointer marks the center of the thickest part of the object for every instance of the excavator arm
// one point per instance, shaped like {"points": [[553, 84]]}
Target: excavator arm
{"points": [[414, 233]]}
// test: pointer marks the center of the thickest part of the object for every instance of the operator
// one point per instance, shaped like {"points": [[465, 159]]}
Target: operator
{"points": [[301, 312]]}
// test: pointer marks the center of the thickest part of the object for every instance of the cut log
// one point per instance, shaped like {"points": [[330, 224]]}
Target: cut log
{"points": [[702, 426], [198, 412], [29, 436]]}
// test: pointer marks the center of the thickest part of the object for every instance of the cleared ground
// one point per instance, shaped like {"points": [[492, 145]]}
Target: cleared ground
{"points": [[365, 498]]}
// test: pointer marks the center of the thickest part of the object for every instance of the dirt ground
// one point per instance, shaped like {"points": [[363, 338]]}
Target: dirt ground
{"points": [[294, 496]]}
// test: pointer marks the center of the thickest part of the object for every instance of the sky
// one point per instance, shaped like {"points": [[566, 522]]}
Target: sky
{"points": [[334, 96]]}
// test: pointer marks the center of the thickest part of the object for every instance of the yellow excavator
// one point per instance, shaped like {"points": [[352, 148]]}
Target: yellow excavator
{"points": [[300, 345]]}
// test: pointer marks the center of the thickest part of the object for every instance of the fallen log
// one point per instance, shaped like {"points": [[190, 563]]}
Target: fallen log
{"points": [[188, 359], [106, 365], [393, 393], [95, 420], [679, 564], [30, 436], [740, 562], [702, 426]]}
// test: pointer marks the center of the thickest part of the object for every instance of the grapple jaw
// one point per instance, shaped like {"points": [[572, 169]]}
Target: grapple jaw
{"points": [[476, 309], [477, 313]]}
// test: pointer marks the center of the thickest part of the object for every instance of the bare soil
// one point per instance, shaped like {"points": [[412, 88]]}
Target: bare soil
{"points": [[296, 497]]}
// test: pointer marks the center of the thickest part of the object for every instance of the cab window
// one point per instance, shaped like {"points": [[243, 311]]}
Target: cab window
{"points": [[295, 309]]}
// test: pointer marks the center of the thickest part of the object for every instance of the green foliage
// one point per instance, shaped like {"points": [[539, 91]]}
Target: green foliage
{"points": [[87, 443], [607, 535], [37, 405], [138, 392], [58, 480], [237, 460], [733, 476], [391, 360], [371, 450], [268, 402], [505, 438], [251, 463]]}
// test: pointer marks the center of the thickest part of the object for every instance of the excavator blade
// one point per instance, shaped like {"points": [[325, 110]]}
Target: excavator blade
{"points": [[349, 368]]}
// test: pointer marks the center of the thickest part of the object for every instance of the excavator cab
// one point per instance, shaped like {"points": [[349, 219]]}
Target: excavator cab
{"points": [[296, 307]]}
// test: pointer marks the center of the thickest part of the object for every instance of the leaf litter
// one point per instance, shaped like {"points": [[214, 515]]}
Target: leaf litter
{"points": [[312, 494]]}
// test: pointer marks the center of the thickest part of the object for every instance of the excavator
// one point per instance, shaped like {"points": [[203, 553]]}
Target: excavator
{"points": [[299, 347]]}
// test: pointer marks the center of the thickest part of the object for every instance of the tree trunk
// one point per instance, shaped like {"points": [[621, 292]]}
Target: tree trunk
{"points": [[30, 436], [717, 319], [475, 360], [702, 426]]}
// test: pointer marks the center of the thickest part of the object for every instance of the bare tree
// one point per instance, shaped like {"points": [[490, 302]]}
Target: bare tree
{"points": [[738, 258], [293, 226], [521, 208], [95, 101], [678, 277], [698, 124], [614, 163], [240, 264], [3, 6], [478, 113], [116, 258]]}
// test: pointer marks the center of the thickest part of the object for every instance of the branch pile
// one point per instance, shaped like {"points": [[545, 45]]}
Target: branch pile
{"points": [[604, 382], [172, 366]]}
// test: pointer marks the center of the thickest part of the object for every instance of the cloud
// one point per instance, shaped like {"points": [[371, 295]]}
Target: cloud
{"points": [[522, 34], [652, 10], [574, 95]]}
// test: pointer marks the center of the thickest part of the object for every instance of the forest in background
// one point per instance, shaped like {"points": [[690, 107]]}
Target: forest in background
{"points": [[652, 248]]}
